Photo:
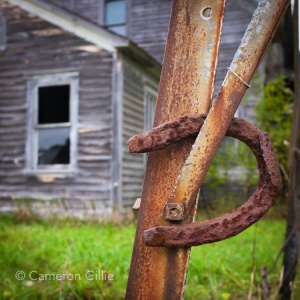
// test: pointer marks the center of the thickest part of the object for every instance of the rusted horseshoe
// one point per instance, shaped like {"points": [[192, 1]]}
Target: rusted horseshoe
{"points": [[230, 224]]}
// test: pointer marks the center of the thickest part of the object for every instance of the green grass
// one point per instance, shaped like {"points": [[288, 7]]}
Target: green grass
{"points": [[223, 270], [216, 271]]}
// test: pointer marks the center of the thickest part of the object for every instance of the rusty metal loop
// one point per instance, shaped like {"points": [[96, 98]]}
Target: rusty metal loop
{"points": [[230, 224]]}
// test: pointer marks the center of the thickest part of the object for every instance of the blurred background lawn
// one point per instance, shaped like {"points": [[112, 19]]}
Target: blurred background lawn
{"points": [[224, 270]]}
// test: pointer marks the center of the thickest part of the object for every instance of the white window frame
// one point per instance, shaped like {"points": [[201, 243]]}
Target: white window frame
{"points": [[34, 83]]}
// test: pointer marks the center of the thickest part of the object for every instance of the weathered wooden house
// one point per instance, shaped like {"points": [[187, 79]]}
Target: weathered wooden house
{"points": [[71, 94], [78, 78]]}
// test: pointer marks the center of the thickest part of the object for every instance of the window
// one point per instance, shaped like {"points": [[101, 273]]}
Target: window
{"points": [[2, 32], [52, 123], [115, 16]]}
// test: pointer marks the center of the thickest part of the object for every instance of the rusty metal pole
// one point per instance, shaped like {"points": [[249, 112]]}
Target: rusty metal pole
{"points": [[186, 86]]}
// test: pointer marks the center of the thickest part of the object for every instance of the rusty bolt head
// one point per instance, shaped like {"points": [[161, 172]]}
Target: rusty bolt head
{"points": [[174, 211]]}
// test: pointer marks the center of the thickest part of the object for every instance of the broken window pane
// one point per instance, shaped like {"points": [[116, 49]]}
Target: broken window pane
{"points": [[54, 146]]}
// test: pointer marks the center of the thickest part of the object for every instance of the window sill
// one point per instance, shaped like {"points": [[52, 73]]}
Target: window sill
{"points": [[55, 173]]}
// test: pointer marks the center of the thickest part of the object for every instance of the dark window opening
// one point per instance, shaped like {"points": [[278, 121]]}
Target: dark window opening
{"points": [[54, 104]]}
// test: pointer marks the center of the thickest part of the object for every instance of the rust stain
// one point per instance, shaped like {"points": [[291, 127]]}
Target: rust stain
{"points": [[166, 134], [231, 224]]}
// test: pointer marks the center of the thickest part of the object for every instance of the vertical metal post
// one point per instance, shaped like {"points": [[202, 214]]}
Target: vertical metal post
{"points": [[186, 87]]}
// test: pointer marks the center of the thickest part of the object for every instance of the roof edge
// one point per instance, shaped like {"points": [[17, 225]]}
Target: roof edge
{"points": [[82, 28], [138, 54]]}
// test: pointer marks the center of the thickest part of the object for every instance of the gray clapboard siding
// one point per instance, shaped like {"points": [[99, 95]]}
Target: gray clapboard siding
{"points": [[133, 122], [30, 52], [88, 9], [149, 21]]}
